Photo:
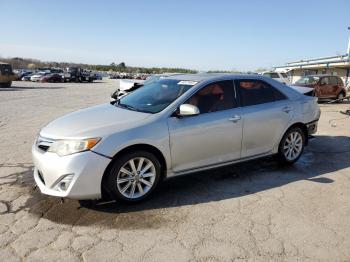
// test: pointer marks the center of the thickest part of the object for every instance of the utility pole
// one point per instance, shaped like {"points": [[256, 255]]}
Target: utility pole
{"points": [[348, 50]]}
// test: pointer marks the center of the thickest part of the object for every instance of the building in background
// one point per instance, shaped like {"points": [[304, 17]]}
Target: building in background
{"points": [[335, 65]]}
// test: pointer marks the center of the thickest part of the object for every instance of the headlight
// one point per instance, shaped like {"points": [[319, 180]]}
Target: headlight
{"points": [[67, 147]]}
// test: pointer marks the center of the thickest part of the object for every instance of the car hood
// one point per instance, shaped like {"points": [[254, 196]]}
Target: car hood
{"points": [[305, 85], [96, 121], [301, 89]]}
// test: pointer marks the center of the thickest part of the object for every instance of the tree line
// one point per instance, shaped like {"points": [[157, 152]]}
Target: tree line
{"points": [[29, 63]]}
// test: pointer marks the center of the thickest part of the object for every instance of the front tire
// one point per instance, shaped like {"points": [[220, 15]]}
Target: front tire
{"points": [[291, 146], [133, 176]]}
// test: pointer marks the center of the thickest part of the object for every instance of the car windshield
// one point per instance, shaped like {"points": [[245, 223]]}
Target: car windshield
{"points": [[151, 79], [308, 80], [155, 96], [5, 68]]}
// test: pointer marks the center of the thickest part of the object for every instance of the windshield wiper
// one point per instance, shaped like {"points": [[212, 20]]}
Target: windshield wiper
{"points": [[117, 103], [127, 106]]}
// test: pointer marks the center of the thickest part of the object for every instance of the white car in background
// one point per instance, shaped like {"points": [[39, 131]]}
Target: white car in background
{"points": [[278, 76], [36, 77]]}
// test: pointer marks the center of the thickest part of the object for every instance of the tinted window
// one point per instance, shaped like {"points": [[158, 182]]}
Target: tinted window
{"points": [[333, 81], [274, 75], [214, 97], [308, 80], [284, 75], [254, 92], [5, 69]]}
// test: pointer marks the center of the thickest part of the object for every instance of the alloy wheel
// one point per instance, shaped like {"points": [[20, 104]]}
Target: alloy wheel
{"points": [[136, 177], [293, 146]]}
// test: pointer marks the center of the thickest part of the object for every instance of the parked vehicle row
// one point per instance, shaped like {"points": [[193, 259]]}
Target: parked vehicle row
{"points": [[124, 75], [71, 74]]}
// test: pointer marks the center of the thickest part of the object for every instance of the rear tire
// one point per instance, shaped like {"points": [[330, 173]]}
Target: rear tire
{"points": [[133, 176], [341, 95], [291, 146], [6, 85]]}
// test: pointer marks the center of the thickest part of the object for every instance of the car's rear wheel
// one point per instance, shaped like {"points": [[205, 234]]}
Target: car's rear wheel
{"points": [[133, 176], [292, 145], [340, 97], [7, 85]]}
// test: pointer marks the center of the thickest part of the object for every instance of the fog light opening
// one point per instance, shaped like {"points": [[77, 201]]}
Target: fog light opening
{"points": [[63, 185]]}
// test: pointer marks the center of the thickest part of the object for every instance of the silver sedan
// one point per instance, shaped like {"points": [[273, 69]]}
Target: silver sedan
{"points": [[173, 126]]}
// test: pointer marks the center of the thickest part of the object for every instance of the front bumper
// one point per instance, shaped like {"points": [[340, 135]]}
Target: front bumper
{"points": [[86, 168]]}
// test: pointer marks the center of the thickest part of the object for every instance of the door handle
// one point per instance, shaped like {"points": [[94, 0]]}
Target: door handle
{"points": [[287, 109], [235, 118]]}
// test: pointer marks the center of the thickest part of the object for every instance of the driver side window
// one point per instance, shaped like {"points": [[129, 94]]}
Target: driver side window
{"points": [[214, 97], [325, 81]]}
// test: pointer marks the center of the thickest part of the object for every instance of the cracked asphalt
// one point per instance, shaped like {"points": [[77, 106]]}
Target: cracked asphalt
{"points": [[255, 211]]}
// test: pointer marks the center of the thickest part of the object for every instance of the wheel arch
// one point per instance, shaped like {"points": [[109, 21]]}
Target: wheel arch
{"points": [[145, 147], [303, 127]]}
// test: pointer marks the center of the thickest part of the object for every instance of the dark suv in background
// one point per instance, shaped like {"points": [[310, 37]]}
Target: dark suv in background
{"points": [[325, 86], [6, 75]]}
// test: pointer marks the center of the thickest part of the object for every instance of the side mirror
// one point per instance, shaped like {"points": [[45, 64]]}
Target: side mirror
{"points": [[114, 95], [188, 110]]}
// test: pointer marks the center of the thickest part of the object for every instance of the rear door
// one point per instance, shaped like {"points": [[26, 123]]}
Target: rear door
{"points": [[266, 113], [324, 88], [333, 87]]}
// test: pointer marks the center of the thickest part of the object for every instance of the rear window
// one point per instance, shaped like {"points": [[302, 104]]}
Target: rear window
{"points": [[274, 75], [340, 82], [271, 75], [5, 69]]}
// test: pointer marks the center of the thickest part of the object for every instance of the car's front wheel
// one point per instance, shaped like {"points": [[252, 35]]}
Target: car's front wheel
{"points": [[133, 176], [292, 145]]}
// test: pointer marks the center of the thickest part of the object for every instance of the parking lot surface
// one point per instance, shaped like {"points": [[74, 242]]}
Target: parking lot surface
{"points": [[252, 211]]}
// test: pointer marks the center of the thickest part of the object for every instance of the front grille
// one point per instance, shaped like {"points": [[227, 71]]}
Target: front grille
{"points": [[40, 175], [43, 143]]}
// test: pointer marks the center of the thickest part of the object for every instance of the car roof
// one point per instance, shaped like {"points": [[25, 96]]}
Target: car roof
{"points": [[2, 63], [213, 76], [321, 75]]}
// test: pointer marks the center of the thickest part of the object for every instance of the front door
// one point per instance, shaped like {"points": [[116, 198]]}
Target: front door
{"points": [[212, 137]]}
